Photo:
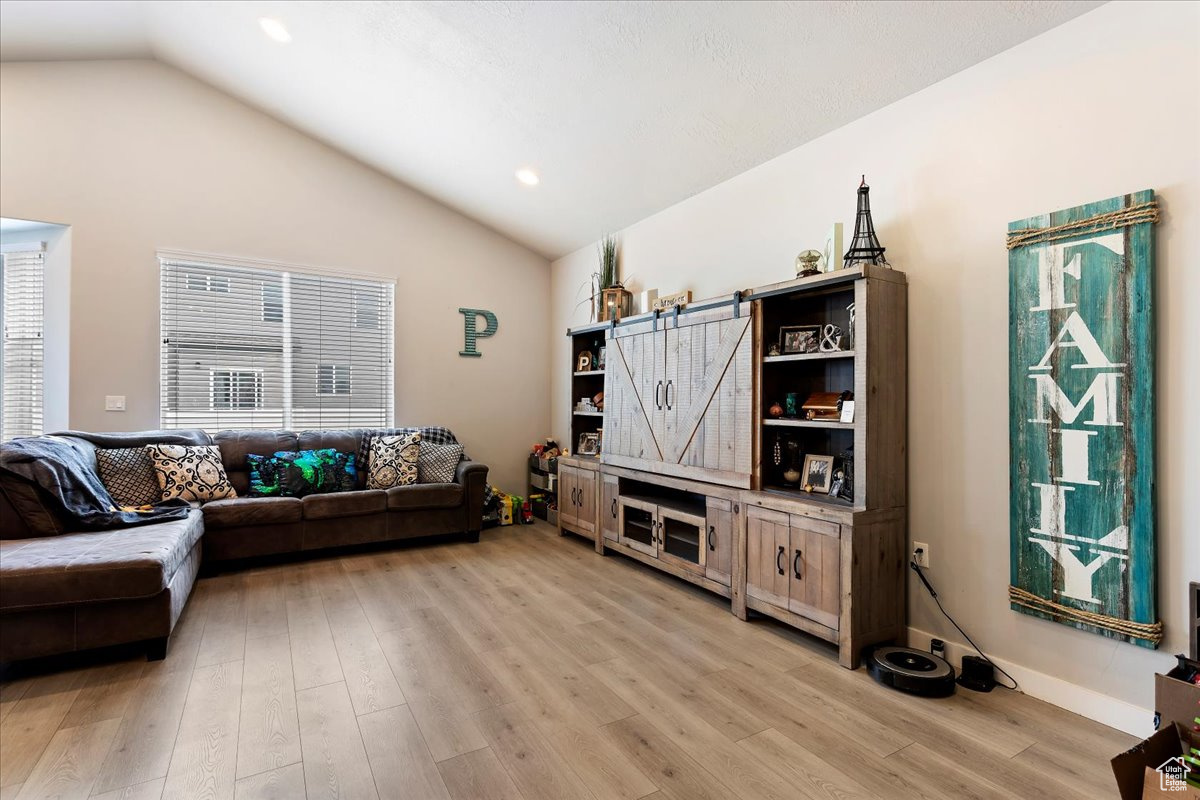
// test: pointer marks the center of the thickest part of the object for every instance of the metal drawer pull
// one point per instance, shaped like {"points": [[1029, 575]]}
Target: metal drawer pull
{"points": [[614, 508], [667, 394], [779, 561], [658, 395], [796, 566], [712, 545]]}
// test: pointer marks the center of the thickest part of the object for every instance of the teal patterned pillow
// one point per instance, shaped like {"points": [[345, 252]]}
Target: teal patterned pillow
{"points": [[295, 474]]}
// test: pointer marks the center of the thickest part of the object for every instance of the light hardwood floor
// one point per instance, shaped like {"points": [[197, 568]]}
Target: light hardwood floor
{"points": [[524, 666]]}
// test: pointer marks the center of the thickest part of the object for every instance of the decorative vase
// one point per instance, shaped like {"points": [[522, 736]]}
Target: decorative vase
{"points": [[775, 410], [792, 473], [615, 302], [793, 404]]}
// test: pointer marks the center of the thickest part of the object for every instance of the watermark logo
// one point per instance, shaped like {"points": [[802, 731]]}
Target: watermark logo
{"points": [[1172, 775]]}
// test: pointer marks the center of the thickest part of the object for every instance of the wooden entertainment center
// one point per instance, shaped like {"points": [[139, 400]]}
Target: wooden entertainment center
{"points": [[693, 472]]}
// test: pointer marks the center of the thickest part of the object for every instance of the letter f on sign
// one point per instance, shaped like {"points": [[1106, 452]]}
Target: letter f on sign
{"points": [[471, 334]]}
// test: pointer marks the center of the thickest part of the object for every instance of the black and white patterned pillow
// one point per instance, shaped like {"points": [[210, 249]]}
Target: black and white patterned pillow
{"points": [[128, 475], [438, 462], [392, 461], [190, 472]]}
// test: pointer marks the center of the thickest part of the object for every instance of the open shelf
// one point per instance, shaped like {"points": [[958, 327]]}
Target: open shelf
{"points": [[808, 356], [588, 373], [814, 497], [808, 423], [588, 413]]}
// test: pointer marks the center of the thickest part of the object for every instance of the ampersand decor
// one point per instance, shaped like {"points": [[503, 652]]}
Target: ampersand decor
{"points": [[471, 335], [831, 339]]}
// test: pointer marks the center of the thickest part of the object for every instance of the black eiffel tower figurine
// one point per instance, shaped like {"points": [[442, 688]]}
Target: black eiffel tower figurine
{"points": [[865, 247]]}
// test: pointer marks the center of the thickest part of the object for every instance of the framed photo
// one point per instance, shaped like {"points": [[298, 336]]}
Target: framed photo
{"points": [[589, 444], [799, 339], [601, 357], [818, 473]]}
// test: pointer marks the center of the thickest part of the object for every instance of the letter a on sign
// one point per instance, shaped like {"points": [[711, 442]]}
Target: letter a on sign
{"points": [[1081, 418], [471, 333]]}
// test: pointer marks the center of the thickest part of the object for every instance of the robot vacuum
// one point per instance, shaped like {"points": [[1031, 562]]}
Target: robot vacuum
{"points": [[912, 671]]}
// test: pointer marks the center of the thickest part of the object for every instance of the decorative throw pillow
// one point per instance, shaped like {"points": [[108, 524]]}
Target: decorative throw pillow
{"points": [[392, 460], [190, 472], [128, 475], [296, 474], [438, 462]]}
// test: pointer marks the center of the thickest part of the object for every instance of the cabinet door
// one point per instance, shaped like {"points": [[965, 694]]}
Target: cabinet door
{"points": [[568, 511], [711, 398], [585, 501], [768, 540], [638, 525], [815, 564], [681, 538], [633, 393], [608, 506], [718, 563]]}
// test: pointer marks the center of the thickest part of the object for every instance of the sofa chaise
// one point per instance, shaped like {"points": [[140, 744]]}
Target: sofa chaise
{"points": [[64, 590]]}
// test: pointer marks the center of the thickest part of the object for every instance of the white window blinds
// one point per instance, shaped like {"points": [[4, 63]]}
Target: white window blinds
{"points": [[249, 347], [21, 283]]}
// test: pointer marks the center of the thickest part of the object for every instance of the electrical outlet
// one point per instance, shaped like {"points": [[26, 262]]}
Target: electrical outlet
{"points": [[922, 557]]}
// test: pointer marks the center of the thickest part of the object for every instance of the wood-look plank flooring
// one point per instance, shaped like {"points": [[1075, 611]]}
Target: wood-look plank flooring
{"points": [[524, 667]]}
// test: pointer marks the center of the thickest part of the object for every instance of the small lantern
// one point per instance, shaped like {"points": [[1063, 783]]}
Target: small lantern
{"points": [[615, 302]]}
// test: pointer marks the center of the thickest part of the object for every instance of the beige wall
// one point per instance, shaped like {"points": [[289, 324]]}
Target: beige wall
{"points": [[1105, 104], [136, 156]]}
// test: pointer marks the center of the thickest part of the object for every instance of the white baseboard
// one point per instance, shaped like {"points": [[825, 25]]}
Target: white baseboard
{"points": [[1107, 710]]}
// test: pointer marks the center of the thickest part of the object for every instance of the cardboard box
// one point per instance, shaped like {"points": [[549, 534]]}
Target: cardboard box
{"points": [[1137, 769], [1175, 698]]}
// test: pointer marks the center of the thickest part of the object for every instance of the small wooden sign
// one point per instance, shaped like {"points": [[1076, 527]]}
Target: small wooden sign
{"points": [[1081, 342], [669, 301]]}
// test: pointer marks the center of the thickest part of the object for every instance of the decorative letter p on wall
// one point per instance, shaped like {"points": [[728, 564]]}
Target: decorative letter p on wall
{"points": [[471, 335]]}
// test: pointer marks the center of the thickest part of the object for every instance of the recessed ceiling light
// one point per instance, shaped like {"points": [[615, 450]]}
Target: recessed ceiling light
{"points": [[528, 177], [275, 29]]}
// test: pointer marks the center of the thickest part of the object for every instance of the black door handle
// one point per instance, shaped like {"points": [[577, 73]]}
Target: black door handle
{"points": [[779, 561], [657, 395], [614, 508], [667, 394], [796, 566], [711, 544]]}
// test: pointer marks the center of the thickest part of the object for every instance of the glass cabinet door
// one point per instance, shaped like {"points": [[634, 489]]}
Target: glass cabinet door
{"points": [[639, 527], [682, 536]]}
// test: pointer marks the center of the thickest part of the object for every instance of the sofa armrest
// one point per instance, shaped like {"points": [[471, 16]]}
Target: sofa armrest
{"points": [[472, 476]]}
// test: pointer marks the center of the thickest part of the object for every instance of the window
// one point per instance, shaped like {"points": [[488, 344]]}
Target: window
{"points": [[198, 282], [21, 288], [333, 379], [273, 347], [272, 302], [366, 310], [235, 390]]}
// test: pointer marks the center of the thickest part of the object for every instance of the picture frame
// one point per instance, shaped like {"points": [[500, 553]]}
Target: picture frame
{"points": [[817, 474], [589, 444], [795, 339]]}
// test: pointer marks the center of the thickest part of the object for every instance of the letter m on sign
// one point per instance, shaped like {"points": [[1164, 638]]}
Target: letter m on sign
{"points": [[1081, 417]]}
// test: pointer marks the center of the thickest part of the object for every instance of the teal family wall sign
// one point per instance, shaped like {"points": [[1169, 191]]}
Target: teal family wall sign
{"points": [[1081, 417], [471, 332]]}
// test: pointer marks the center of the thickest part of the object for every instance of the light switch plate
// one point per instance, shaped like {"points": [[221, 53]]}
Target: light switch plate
{"points": [[114, 402]]}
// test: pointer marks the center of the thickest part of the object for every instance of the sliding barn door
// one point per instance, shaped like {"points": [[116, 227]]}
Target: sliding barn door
{"points": [[678, 400], [633, 393]]}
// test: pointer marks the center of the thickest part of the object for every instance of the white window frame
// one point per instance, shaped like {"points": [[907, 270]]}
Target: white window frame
{"points": [[32, 401], [235, 387]]}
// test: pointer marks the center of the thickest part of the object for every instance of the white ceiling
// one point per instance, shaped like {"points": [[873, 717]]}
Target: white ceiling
{"points": [[623, 108]]}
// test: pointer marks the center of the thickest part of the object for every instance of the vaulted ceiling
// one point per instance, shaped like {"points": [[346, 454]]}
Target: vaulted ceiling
{"points": [[621, 108]]}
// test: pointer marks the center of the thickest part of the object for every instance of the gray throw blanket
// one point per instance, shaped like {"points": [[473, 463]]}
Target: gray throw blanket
{"points": [[64, 471]]}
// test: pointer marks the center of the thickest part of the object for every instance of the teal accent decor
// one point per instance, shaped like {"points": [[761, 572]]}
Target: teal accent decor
{"points": [[471, 334], [1081, 418]]}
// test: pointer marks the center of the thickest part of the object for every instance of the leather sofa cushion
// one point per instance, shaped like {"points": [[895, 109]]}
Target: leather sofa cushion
{"points": [[237, 511], [236, 445], [424, 495], [344, 504], [118, 564]]}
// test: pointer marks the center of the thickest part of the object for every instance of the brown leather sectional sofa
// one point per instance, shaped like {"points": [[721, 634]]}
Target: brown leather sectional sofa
{"points": [[62, 591]]}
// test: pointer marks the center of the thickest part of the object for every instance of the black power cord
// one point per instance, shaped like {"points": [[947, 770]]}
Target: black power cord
{"points": [[917, 569]]}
